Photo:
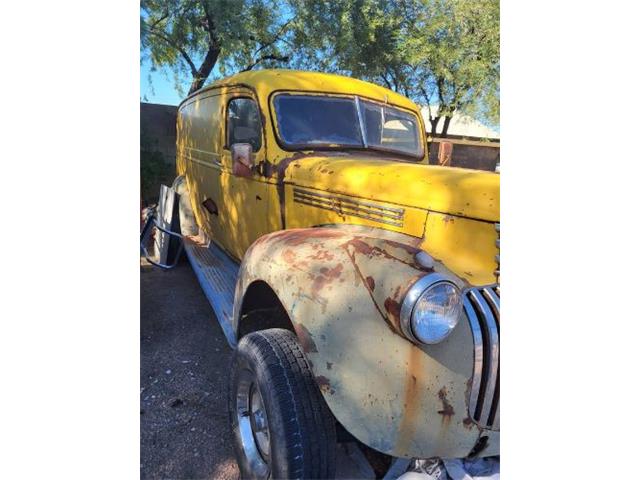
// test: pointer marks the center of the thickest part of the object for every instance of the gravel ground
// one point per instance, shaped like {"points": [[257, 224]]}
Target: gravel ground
{"points": [[184, 358], [184, 367]]}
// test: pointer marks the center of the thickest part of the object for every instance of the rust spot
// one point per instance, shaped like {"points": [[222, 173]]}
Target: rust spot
{"points": [[289, 256], [297, 237], [391, 305], [468, 423], [371, 283], [262, 117], [447, 410], [321, 254], [410, 249], [448, 218], [280, 172], [321, 281], [324, 384], [407, 428], [333, 273], [396, 292], [284, 164], [408, 252], [307, 343], [361, 246], [393, 309]]}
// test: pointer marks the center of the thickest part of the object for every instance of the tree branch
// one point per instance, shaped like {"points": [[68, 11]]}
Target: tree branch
{"points": [[211, 26], [156, 22], [172, 44], [267, 57], [384, 78], [275, 38]]}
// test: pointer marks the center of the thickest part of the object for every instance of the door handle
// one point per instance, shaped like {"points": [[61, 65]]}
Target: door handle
{"points": [[211, 206]]}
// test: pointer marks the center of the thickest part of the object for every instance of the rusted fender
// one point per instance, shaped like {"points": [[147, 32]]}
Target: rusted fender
{"points": [[343, 287]]}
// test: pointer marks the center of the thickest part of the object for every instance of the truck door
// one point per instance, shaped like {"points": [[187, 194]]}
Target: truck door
{"points": [[244, 200], [198, 150]]}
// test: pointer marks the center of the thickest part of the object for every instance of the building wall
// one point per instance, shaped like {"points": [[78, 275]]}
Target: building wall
{"points": [[469, 154], [158, 129], [157, 149]]}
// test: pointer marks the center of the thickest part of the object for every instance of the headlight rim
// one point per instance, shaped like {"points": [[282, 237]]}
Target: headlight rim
{"points": [[411, 300]]}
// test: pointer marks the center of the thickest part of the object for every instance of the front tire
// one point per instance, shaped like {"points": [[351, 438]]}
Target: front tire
{"points": [[282, 427]]}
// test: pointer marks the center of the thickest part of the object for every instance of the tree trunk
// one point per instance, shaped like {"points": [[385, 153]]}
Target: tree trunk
{"points": [[434, 124], [445, 127], [205, 69]]}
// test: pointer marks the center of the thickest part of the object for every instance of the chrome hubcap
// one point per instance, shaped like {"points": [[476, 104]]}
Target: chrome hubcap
{"points": [[253, 424], [259, 422]]}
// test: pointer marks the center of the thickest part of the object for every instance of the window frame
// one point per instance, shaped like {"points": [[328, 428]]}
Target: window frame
{"points": [[227, 145], [420, 155]]}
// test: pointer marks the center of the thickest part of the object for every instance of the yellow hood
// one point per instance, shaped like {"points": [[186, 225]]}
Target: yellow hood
{"points": [[454, 191]]}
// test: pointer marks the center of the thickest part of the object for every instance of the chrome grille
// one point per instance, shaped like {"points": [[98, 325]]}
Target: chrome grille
{"points": [[482, 306]]}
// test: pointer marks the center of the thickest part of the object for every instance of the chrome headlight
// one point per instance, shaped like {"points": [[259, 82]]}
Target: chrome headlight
{"points": [[431, 309]]}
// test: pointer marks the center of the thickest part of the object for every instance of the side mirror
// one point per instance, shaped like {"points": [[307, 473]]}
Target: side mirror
{"points": [[242, 159], [445, 152]]}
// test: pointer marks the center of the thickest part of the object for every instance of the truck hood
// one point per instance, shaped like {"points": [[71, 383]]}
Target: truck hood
{"points": [[454, 191]]}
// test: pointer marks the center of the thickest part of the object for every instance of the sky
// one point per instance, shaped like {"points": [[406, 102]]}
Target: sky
{"points": [[161, 89]]}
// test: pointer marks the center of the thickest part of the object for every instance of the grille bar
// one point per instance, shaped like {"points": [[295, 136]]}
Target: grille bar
{"points": [[494, 300], [347, 206], [477, 355], [340, 205], [482, 306]]}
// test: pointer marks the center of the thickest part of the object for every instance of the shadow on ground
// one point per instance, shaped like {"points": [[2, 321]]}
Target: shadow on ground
{"points": [[184, 360]]}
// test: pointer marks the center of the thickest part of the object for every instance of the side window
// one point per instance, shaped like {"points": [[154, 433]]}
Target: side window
{"points": [[243, 123]]}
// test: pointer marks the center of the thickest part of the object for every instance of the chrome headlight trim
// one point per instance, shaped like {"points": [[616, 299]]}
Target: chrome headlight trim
{"points": [[411, 298]]}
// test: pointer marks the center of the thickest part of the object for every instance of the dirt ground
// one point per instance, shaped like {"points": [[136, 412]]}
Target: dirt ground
{"points": [[184, 369], [184, 358]]}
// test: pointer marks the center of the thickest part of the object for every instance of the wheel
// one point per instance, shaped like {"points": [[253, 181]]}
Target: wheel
{"points": [[282, 427]]}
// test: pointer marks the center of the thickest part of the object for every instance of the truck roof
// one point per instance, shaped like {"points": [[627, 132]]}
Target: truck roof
{"points": [[264, 82]]}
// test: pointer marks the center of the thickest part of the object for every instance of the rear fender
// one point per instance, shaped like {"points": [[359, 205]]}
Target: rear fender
{"points": [[342, 287]]}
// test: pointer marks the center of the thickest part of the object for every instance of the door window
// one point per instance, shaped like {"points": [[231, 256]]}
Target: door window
{"points": [[243, 123]]}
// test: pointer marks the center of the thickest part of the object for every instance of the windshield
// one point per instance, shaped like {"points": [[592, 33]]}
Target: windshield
{"points": [[321, 121]]}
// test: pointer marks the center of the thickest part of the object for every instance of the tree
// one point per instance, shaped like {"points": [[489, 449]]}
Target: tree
{"points": [[192, 37], [444, 54], [440, 53], [457, 44]]}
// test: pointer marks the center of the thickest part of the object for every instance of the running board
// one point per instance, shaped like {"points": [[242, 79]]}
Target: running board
{"points": [[217, 274]]}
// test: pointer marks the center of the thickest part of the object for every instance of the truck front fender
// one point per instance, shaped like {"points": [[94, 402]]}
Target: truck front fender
{"points": [[343, 287]]}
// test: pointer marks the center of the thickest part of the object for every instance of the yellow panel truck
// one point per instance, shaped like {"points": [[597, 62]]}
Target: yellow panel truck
{"points": [[358, 285]]}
